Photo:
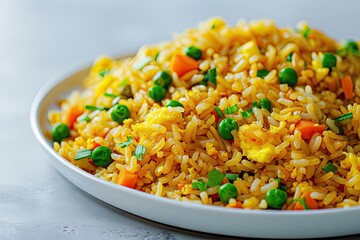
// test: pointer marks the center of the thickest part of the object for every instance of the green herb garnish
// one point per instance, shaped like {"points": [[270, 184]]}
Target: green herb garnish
{"points": [[93, 108], [103, 73], [232, 109], [199, 185], [139, 152], [212, 76], [219, 112], [129, 141], [110, 95], [83, 153], [306, 32], [329, 168], [346, 116], [262, 73], [232, 176], [215, 178]]}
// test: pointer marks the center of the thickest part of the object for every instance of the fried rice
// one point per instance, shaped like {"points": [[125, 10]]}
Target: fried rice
{"points": [[304, 142]]}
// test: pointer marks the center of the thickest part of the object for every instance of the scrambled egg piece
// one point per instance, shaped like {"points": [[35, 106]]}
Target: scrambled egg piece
{"points": [[255, 149], [264, 153]]}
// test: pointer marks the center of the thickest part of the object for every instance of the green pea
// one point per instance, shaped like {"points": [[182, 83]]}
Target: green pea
{"points": [[59, 132], [329, 60], [193, 52], [262, 73], [265, 103], [226, 126], [157, 93], [163, 78], [120, 113], [288, 76], [227, 191], [276, 198], [101, 156], [174, 103]]}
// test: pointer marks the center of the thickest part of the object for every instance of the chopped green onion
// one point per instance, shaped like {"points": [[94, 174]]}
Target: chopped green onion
{"points": [[231, 176], [262, 73], [111, 95], [232, 109], [247, 113], [156, 56], [212, 76], [306, 32], [103, 73], [193, 52], [83, 117], [199, 185], [93, 108], [83, 153], [265, 103], [124, 82], [174, 103], [219, 112], [329, 60], [142, 63], [329, 168], [139, 152], [289, 57], [346, 116], [127, 143], [215, 178]]}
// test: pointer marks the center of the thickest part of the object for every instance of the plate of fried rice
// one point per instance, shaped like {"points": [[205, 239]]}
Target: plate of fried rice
{"points": [[246, 130]]}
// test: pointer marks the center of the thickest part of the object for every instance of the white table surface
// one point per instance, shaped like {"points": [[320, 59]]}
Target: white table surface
{"points": [[41, 38]]}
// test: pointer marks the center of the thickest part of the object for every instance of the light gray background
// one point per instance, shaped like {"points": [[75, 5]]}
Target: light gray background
{"points": [[41, 38]]}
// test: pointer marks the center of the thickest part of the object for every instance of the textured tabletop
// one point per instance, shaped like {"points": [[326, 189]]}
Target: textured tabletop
{"points": [[40, 39]]}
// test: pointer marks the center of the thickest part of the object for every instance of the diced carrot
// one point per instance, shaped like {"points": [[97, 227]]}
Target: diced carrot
{"points": [[311, 203], [308, 128], [94, 145], [348, 87], [182, 64], [238, 204], [72, 114], [225, 180], [217, 117], [127, 178], [180, 186]]}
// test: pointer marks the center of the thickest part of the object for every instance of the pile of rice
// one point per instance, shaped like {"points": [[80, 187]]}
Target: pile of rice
{"points": [[183, 144]]}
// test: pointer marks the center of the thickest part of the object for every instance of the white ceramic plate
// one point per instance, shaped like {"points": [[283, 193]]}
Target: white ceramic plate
{"points": [[209, 219]]}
